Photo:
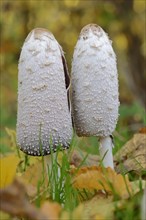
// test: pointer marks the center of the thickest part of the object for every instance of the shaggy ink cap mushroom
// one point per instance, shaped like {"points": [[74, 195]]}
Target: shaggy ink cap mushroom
{"points": [[43, 117], [95, 97]]}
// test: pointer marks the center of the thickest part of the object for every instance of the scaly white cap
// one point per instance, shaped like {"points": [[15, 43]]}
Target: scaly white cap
{"points": [[95, 97], [44, 118]]}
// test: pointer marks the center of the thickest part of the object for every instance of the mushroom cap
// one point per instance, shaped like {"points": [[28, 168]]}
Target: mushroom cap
{"points": [[94, 92], [43, 117]]}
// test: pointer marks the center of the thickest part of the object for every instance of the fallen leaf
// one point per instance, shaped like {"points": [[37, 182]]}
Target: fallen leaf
{"points": [[51, 209], [8, 167], [99, 178], [14, 202], [132, 156]]}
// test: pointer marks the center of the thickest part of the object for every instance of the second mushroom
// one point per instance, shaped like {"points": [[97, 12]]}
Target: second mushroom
{"points": [[95, 97]]}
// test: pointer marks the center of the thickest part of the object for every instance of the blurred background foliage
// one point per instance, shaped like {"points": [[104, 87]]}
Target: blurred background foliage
{"points": [[123, 20]]}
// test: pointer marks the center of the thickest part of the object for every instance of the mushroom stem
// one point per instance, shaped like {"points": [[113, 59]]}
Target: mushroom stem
{"points": [[105, 151]]}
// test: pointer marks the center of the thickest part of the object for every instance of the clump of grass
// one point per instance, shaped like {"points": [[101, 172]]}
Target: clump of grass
{"points": [[60, 184]]}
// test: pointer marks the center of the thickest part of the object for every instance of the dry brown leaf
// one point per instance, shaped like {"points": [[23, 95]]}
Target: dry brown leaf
{"points": [[132, 156], [14, 202], [51, 210], [101, 179]]}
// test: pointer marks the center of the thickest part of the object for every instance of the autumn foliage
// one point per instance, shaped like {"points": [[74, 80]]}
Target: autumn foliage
{"points": [[98, 188]]}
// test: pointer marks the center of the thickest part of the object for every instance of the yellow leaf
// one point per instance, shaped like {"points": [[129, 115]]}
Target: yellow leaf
{"points": [[132, 156], [102, 179], [8, 167]]}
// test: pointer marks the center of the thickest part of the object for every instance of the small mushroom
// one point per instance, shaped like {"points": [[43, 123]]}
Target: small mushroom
{"points": [[95, 97], [44, 118]]}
